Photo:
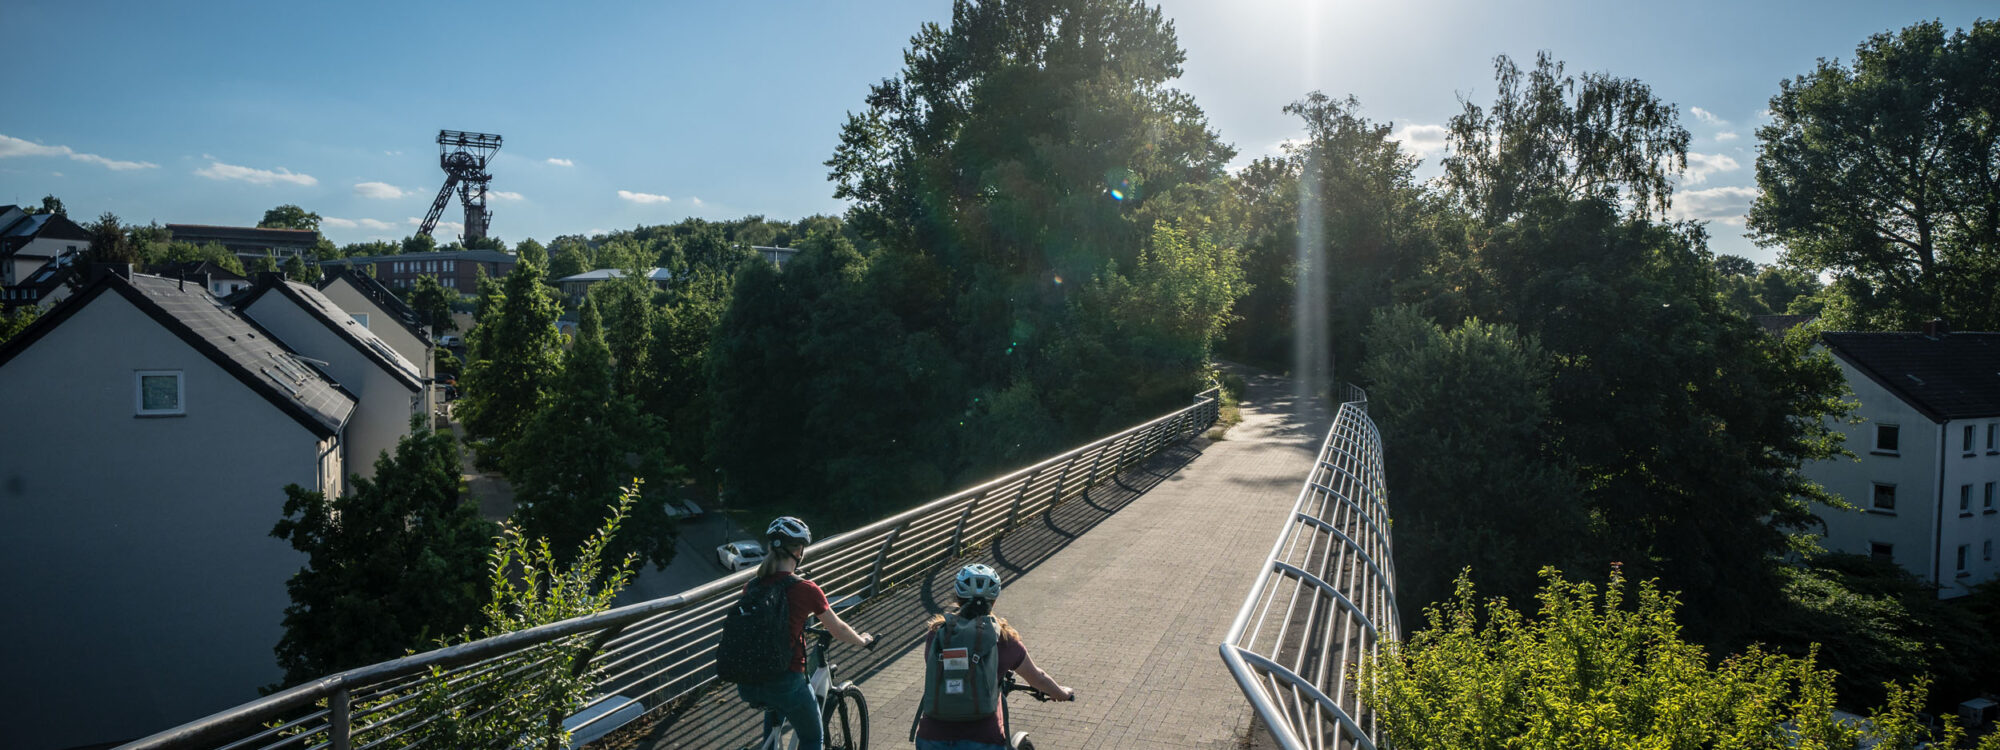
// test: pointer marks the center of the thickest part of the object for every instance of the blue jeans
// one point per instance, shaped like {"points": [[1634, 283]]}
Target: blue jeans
{"points": [[787, 698], [924, 744]]}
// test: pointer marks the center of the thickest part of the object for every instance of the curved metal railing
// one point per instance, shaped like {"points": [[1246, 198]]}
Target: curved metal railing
{"points": [[652, 654], [1324, 600]]}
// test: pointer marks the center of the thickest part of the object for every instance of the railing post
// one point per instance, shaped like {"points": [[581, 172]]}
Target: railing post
{"points": [[958, 535], [1014, 513], [881, 558], [578, 669], [341, 728]]}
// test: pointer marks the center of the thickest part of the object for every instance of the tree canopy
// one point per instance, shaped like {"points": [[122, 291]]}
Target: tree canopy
{"points": [[1885, 173], [289, 216]]}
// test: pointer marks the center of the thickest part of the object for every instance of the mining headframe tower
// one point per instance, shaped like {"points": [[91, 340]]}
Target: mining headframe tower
{"points": [[464, 156]]}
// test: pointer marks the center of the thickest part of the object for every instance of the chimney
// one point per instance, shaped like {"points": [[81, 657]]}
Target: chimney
{"points": [[1936, 328]]}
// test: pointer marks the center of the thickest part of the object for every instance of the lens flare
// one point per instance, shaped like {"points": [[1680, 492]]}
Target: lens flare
{"points": [[1058, 281]]}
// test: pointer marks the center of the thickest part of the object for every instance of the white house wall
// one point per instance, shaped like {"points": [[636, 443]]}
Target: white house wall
{"points": [[135, 569], [382, 416], [38, 251], [381, 323], [1912, 527], [1978, 527]]}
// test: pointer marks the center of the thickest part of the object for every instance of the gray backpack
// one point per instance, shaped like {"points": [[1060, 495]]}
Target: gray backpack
{"points": [[962, 670]]}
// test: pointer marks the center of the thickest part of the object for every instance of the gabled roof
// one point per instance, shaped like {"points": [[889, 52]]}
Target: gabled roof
{"points": [[337, 320], [28, 228], [1777, 324], [1947, 376], [188, 269], [382, 296], [607, 274], [235, 343]]}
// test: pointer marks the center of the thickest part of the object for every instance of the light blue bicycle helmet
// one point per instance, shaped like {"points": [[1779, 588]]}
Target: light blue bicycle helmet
{"points": [[977, 581]]}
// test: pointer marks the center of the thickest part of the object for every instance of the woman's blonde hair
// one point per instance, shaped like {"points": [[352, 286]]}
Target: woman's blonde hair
{"points": [[1007, 632]]}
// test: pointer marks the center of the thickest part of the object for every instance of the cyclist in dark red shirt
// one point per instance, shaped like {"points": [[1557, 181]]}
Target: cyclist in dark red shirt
{"points": [[790, 697], [977, 586]]}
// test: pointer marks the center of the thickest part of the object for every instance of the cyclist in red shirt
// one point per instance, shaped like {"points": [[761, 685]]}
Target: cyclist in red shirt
{"points": [[790, 697], [977, 586]]}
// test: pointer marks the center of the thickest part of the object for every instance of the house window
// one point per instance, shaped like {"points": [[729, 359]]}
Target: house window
{"points": [[159, 393], [1963, 549], [1992, 432], [1883, 551], [361, 318], [1986, 550], [1888, 438], [1968, 440], [1965, 499], [1989, 498], [1885, 497], [453, 265]]}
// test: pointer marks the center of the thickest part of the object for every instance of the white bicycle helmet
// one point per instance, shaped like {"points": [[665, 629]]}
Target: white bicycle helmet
{"points": [[977, 581], [788, 533]]}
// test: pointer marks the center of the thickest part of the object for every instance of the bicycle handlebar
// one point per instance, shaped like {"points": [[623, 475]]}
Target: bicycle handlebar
{"points": [[1011, 685]]}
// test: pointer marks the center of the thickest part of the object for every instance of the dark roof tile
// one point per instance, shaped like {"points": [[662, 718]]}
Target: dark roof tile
{"points": [[1949, 376]]}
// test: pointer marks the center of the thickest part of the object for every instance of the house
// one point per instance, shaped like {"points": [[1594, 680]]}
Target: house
{"points": [[219, 281], [575, 287], [44, 286], [250, 243], [27, 241], [778, 256], [380, 311], [151, 432], [455, 269], [389, 389], [1928, 438]]}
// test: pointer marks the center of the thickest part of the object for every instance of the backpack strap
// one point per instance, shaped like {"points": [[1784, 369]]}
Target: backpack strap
{"points": [[930, 649]]}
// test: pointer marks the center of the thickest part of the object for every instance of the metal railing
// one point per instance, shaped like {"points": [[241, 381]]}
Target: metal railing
{"points": [[1324, 600], [654, 654]]}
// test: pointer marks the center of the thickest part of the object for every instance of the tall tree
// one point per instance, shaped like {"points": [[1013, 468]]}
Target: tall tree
{"points": [[1886, 174], [433, 305], [289, 216], [14, 321], [397, 563], [575, 455], [50, 205], [419, 243], [515, 354], [109, 242], [1548, 134], [297, 269]]}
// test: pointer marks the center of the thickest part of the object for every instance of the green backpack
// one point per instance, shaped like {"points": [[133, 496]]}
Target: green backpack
{"points": [[962, 670]]}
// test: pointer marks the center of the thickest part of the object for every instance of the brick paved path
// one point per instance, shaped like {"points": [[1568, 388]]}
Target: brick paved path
{"points": [[1124, 598]]}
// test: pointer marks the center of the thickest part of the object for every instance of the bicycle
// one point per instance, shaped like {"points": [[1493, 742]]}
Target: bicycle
{"points": [[843, 711], [1019, 740]]}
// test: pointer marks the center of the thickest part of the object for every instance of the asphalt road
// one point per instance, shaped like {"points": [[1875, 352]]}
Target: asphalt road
{"points": [[694, 561]]}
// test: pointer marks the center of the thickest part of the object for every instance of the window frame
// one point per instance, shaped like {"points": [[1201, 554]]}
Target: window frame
{"points": [[1965, 501], [1894, 450], [360, 317], [1966, 444], [1964, 552], [1875, 498], [1884, 551], [139, 393]]}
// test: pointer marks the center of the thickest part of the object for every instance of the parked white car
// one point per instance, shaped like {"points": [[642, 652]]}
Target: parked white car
{"points": [[740, 554]]}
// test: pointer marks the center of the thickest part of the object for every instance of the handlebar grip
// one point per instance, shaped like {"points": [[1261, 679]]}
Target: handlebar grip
{"points": [[872, 640]]}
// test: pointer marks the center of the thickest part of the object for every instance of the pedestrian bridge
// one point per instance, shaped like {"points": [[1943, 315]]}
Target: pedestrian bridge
{"points": [[1130, 564]]}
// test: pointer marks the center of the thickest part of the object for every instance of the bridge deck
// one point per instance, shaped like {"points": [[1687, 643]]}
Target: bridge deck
{"points": [[1123, 598]]}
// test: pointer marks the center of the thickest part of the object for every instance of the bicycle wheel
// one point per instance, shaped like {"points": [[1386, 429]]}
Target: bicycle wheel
{"points": [[846, 716]]}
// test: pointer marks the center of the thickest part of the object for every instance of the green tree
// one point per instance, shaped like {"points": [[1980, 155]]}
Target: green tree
{"points": [[392, 565], [1884, 174], [576, 453], [109, 242], [1549, 135], [419, 243], [265, 263], [289, 216], [297, 269], [515, 354], [432, 301], [567, 260], [1607, 670], [1465, 412], [13, 322], [50, 205]]}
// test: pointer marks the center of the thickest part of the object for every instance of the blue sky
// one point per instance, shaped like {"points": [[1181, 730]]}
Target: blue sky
{"points": [[640, 113]]}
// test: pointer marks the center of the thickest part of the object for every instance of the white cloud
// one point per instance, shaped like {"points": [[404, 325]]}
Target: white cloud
{"points": [[392, 153], [11, 146], [1724, 204], [595, 232], [374, 224], [504, 195], [1422, 140], [1707, 116], [560, 162], [219, 171], [643, 198], [1725, 136], [329, 221], [379, 190], [55, 174], [1700, 166], [696, 201]]}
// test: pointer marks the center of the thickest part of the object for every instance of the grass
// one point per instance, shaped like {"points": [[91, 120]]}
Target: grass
{"points": [[1230, 412]]}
